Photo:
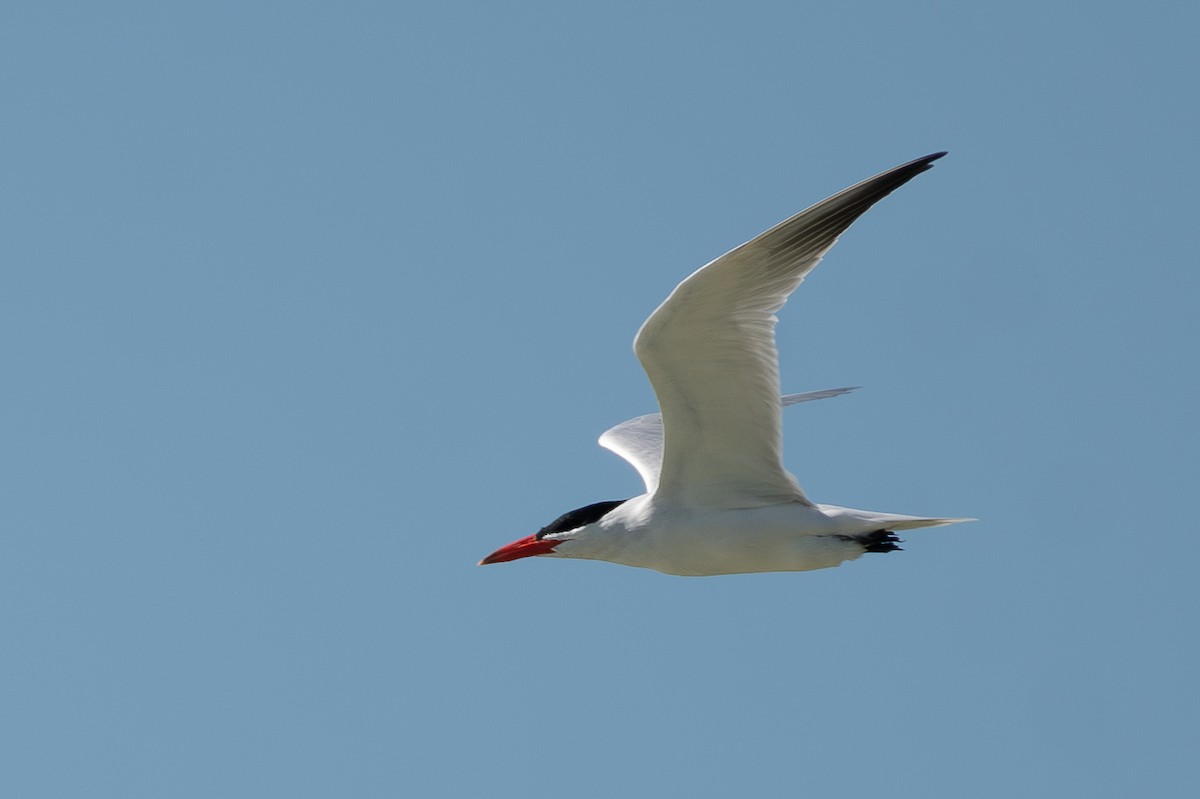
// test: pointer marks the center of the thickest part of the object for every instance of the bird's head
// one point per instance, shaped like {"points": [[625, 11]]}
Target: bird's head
{"points": [[568, 527]]}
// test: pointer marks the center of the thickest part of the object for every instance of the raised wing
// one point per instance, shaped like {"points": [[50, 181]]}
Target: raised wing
{"points": [[640, 440], [709, 351]]}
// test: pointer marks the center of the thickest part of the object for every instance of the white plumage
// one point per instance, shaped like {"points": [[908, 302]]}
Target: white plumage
{"points": [[718, 499]]}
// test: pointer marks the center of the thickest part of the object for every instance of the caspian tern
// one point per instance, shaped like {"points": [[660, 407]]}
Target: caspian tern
{"points": [[718, 499]]}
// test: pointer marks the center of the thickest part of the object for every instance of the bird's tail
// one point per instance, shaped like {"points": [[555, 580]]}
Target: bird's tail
{"points": [[913, 522], [874, 520]]}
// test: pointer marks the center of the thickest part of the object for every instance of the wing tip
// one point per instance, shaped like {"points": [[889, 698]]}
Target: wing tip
{"points": [[826, 393], [919, 165]]}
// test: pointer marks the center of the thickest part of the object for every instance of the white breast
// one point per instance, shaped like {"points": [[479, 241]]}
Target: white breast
{"points": [[689, 541]]}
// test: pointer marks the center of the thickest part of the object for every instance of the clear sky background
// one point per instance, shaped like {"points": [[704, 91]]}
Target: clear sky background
{"points": [[306, 307]]}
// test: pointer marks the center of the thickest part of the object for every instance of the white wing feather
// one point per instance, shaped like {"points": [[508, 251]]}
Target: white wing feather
{"points": [[640, 440], [709, 351]]}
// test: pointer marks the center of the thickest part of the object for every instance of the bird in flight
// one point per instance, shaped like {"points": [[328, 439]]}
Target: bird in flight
{"points": [[718, 499]]}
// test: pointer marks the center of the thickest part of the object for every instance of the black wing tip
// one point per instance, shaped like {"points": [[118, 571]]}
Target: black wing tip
{"points": [[922, 163], [927, 161], [885, 182], [874, 189]]}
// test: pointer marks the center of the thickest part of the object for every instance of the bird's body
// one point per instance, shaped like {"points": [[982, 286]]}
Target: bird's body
{"points": [[692, 541], [718, 499]]}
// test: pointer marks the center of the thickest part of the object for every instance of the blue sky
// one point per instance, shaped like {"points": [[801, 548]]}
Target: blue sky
{"points": [[304, 308]]}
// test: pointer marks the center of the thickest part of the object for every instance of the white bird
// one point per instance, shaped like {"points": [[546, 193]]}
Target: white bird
{"points": [[718, 499]]}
